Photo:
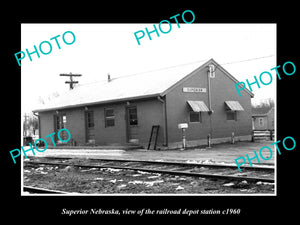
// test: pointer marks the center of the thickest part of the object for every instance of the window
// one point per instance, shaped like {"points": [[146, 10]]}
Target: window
{"points": [[90, 131], [57, 123], [90, 119], [64, 119], [231, 115], [60, 123], [132, 112], [109, 117], [195, 117], [261, 122]]}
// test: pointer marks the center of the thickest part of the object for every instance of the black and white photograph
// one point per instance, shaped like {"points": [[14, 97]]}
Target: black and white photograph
{"points": [[138, 112], [125, 113]]}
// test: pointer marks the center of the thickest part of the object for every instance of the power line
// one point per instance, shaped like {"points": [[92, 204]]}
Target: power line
{"points": [[164, 68], [246, 60], [169, 67], [135, 74]]}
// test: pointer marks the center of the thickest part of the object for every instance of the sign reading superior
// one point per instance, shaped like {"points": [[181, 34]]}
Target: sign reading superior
{"points": [[193, 89]]}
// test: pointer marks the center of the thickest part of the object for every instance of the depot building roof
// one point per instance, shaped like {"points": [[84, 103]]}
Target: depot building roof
{"points": [[139, 86]]}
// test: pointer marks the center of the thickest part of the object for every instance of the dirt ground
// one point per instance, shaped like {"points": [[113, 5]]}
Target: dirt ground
{"points": [[110, 181], [117, 181]]}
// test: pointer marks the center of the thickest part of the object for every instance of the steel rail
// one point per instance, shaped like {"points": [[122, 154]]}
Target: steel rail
{"points": [[173, 172], [42, 190], [189, 164], [266, 168]]}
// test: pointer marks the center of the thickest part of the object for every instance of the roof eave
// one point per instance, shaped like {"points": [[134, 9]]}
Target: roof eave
{"points": [[97, 103], [259, 115]]}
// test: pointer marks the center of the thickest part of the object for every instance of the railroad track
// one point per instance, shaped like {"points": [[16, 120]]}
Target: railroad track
{"points": [[36, 190], [212, 171]]}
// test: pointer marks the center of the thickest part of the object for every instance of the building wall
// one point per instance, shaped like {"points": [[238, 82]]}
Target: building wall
{"points": [[268, 121], [149, 113], [178, 110], [109, 135], [260, 125], [46, 125], [75, 124], [271, 119], [222, 89]]}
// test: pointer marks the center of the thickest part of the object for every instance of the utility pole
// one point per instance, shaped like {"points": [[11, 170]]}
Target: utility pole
{"points": [[71, 82], [25, 124]]}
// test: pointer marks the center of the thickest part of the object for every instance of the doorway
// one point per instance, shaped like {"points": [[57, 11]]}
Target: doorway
{"points": [[89, 127], [60, 122], [132, 124]]}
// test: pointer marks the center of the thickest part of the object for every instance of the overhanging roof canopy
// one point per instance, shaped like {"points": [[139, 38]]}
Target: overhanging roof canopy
{"points": [[198, 106], [234, 105]]}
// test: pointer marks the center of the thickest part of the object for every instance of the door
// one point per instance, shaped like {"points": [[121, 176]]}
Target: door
{"points": [[60, 122], [132, 125], [90, 127]]}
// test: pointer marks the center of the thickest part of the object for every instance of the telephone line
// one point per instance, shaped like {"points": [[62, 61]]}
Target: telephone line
{"points": [[251, 59], [246, 60], [169, 67]]}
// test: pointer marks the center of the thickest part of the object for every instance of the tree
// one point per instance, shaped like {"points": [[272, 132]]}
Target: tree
{"points": [[44, 100], [265, 103], [41, 100], [30, 124]]}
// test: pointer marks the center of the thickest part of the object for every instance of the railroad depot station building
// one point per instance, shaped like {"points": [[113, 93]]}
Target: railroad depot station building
{"points": [[123, 110]]}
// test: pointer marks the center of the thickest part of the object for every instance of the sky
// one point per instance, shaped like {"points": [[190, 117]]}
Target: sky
{"points": [[244, 50]]}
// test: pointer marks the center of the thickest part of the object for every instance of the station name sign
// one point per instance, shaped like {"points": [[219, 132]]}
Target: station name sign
{"points": [[193, 89]]}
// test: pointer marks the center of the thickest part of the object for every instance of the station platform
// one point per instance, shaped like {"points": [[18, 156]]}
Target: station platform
{"points": [[217, 154]]}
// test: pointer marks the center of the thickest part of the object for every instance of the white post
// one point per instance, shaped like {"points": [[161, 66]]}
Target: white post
{"points": [[208, 141], [183, 139]]}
